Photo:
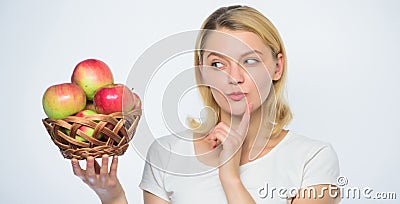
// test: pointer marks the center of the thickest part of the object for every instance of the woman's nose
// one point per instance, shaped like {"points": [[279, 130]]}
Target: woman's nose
{"points": [[236, 74]]}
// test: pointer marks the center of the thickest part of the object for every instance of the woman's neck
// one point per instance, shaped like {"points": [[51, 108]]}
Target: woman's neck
{"points": [[259, 139]]}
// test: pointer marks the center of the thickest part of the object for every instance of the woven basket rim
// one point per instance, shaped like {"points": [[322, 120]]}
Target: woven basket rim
{"points": [[111, 134]]}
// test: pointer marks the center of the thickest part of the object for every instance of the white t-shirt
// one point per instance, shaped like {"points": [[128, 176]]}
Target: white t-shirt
{"points": [[173, 173]]}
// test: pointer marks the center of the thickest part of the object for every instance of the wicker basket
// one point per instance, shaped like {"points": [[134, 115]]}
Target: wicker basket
{"points": [[111, 136]]}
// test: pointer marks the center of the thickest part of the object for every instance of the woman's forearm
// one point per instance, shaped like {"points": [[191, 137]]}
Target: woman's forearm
{"points": [[120, 199], [235, 192], [115, 195]]}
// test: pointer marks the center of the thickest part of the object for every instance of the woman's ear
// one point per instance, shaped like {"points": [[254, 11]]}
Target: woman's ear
{"points": [[279, 67], [201, 72], [200, 66]]}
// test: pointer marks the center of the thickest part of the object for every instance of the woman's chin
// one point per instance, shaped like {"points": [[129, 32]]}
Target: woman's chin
{"points": [[237, 109]]}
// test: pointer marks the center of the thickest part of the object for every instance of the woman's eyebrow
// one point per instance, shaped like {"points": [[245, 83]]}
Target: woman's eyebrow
{"points": [[216, 54], [245, 54], [252, 52]]}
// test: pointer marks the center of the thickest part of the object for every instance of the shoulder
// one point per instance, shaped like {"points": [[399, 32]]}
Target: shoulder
{"points": [[171, 141], [165, 147], [311, 153], [174, 154], [303, 144], [161, 147], [318, 159], [159, 152]]}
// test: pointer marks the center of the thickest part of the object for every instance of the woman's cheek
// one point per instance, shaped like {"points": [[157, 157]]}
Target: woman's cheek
{"points": [[261, 83]]}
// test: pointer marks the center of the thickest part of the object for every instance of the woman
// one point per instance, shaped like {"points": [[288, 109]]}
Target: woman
{"points": [[243, 155]]}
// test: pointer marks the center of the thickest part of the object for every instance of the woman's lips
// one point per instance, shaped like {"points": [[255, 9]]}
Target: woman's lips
{"points": [[237, 96]]}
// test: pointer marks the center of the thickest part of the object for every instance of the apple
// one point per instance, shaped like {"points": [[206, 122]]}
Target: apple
{"points": [[90, 106], [62, 100], [90, 75], [111, 98], [138, 102], [85, 113], [87, 130], [64, 130]]}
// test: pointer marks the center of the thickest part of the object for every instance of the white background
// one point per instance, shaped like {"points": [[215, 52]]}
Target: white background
{"points": [[343, 82]]}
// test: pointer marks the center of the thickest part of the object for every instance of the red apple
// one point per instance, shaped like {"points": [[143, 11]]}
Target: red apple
{"points": [[138, 102], [62, 100], [111, 98], [87, 130], [90, 75]]}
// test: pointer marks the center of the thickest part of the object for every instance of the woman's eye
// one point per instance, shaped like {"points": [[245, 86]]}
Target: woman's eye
{"points": [[217, 64], [251, 61]]}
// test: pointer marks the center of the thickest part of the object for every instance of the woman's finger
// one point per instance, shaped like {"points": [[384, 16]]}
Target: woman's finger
{"points": [[90, 171], [214, 143], [244, 123], [213, 136], [104, 166], [223, 126], [113, 167], [220, 138], [78, 171]]}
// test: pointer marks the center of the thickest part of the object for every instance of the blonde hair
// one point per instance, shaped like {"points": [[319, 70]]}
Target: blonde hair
{"points": [[247, 19]]}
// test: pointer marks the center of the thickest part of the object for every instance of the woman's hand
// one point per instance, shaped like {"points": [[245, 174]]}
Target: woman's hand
{"points": [[231, 141], [104, 183]]}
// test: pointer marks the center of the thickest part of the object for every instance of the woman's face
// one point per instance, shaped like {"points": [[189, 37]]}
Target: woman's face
{"points": [[239, 68]]}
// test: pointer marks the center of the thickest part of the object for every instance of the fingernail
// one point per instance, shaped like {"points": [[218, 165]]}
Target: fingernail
{"points": [[115, 157]]}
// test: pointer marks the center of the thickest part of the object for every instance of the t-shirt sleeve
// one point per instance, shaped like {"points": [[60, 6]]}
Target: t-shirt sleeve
{"points": [[153, 172], [321, 167]]}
